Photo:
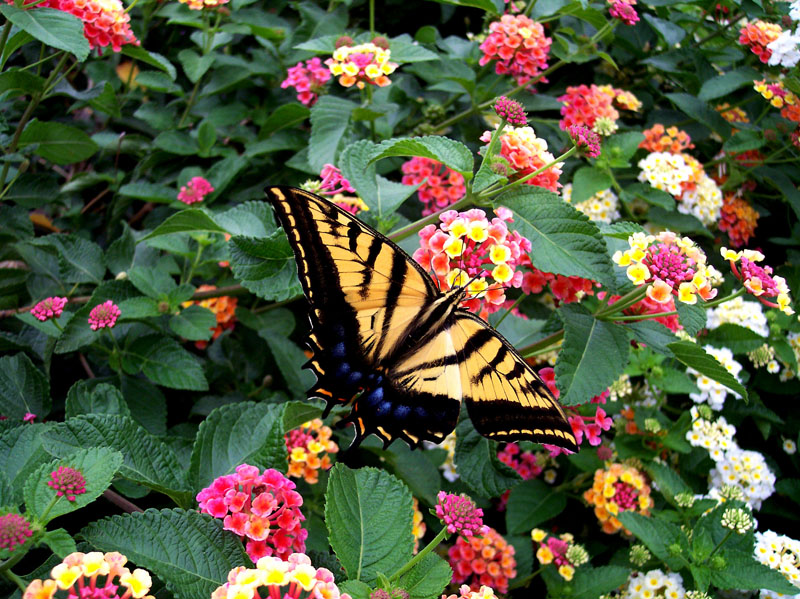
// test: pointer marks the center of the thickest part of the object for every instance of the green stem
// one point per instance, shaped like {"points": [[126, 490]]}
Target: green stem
{"points": [[15, 579], [193, 265], [52, 504], [516, 303], [372, 18], [626, 301], [32, 105], [418, 558], [637, 316], [208, 42], [721, 543], [530, 176], [414, 227], [542, 344], [493, 142], [727, 298], [4, 37]]}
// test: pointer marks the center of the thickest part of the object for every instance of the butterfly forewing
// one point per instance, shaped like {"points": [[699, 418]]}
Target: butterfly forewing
{"points": [[402, 354]]}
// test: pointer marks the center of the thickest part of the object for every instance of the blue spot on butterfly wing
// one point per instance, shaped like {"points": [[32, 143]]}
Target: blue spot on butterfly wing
{"points": [[402, 411], [342, 370], [339, 350]]}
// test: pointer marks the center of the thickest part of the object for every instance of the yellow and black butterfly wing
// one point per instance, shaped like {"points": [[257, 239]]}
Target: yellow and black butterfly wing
{"points": [[365, 295]]}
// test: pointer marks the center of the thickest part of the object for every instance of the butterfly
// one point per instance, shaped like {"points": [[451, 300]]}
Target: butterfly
{"points": [[397, 350]]}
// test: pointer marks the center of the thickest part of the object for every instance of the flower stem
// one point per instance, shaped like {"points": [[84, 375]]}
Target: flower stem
{"points": [[43, 517], [4, 36], [538, 171], [414, 227], [418, 558], [721, 543], [727, 298], [626, 301], [507, 312], [546, 342], [635, 317]]}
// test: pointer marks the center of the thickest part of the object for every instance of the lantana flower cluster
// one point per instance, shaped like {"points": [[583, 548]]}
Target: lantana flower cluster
{"points": [[716, 436], [92, 575], [759, 280], [67, 482], [439, 186], [201, 4], [336, 188], [310, 448], [362, 64], [602, 207], [747, 314], [418, 526], [465, 592], [195, 190], [784, 49], [666, 139], [520, 47], [654, 584], [292, 577], [593, 107], [781, 553], [262, 508], [51, 307], [624, 11], [525, 153], [468, 249], [14, 530], [738, 219], [669, 265], [561, 551], [564, 289], [711, 391], [104, 315], [779, 97], [757, 36], [618, 488], [486, 560], [746, 470], [307, 79], [460, 515]]}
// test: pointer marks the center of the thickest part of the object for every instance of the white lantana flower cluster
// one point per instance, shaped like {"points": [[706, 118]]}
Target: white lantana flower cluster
{"points": [[704, 201], [780, 553], [739, 311], [655, 584], [747, 470], [710, 390], [602, 207], [665, 171], [715, 436], [785, 49]]}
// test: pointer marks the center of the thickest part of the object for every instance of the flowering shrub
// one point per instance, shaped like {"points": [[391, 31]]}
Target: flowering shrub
{"points": [[615, 185]]}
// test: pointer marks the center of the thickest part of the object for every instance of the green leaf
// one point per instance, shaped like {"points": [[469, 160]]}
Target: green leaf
{"points": [[149, 192], [745, 573], [380, 194], [265, 266], [165, 362], [652, 334], [368, 513], [405, 51], [696, 357], [194, 323], [194, 65], [742, 141], [98, 465], [691, 316], [176, 142], [532, 502], [449, 152], [657, 535], [249, 219], [79, 260], [121, 252], [330, 117], [725, 84], [188, 551], [153, 282], [477, 462], [618, 149], [290, 360], [241, 433], [20, 81], [587, 181], [651, 195], [60, 542], [53, 27], [285, 115], [737, 338], [427, 579], [146, 460], [57, 142], [23, 388], [21, 453], [159, 82], [486, 5], [592, 357], [356, 589], [107, 101], [152, 58], [206, 138], [590, 583], [700, 111], [669, 482], [671, 33], [85, 398], [564, 241], [191, 219]]}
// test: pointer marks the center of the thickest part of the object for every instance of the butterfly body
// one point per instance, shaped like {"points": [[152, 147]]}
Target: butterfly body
{"points": [[399, 352]]}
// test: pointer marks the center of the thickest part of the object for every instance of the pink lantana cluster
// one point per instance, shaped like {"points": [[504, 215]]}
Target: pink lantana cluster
{"points": [[195, 191], [362, 64], [14, 530], [104, 315], [51, 307], [586, 140], [335, 186], [520, 47], [593, 107], [523, 462], [439, 186], [525, 153], [588, 427], [468, 249], [758, 35], [511, 111], [67, 482], [669, 265], [624, 11], [562, 551], [308, 79], [759, 280], [564, 289], [262, 508], [460, 515]]}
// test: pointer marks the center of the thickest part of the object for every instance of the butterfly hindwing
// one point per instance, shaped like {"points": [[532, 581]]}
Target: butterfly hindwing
{"points": [[402, 354]]}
